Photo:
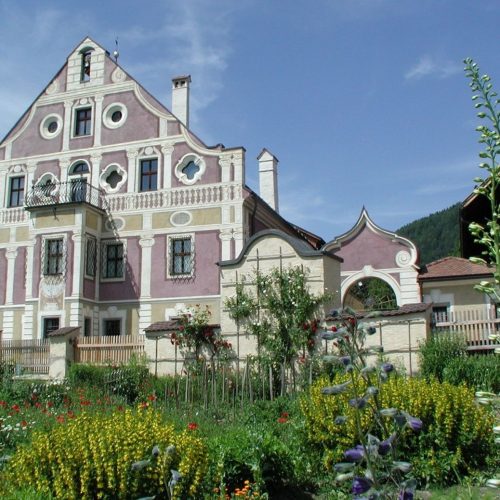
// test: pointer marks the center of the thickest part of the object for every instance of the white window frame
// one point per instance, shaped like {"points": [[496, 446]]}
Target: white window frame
{"points": [[112, 167], [183, 162], [43, 260], [170, 257], [108, 113], [44, 126], [74, 110], [89, 238], [103, 260]]}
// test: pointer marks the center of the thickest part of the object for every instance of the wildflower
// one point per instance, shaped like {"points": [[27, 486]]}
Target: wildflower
{"points": [[372, 391], [414, 423], [335, 389], [60, 419], [140, 464], [340, 420], [405, 495], [385, 446], [3, 404], [387, 367], [388, 412], [16, 408], [156, 451], [359, 403], [24, 423], [192, 426], [282, 420], [360, 485], [143, 405], [151, 397], [71, 414], [354, 454], [404, 467]]}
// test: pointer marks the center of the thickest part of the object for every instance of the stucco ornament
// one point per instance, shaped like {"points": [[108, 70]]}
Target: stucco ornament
{"points": [[52, 286], [403, 258], [118, 76], [52, 88]]}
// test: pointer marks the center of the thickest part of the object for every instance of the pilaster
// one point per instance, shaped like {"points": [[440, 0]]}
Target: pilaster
{"points": [[98, 120], [11, 255], [167, 150], [68, 105], [146, 243], [132, 154]]}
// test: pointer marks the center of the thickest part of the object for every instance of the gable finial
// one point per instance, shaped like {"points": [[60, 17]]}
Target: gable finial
{"points": [[116, 54]]}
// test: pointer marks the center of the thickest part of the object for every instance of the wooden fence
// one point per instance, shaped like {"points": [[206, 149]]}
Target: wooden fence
{"points": [[26, 356], [108, 350], [475, 325]]}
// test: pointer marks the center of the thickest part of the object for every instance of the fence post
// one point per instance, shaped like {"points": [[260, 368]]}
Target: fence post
{"points": [[61, 351]]}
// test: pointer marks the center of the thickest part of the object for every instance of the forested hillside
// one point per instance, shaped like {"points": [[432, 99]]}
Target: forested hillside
{"points": [[436, 235]]}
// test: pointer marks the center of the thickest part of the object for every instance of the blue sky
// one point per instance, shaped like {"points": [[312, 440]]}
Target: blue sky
{"points": [[364, 102]]}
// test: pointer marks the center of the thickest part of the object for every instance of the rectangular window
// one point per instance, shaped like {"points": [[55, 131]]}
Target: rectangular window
{"points": [[149, 175], [87, 327], [181, 255], [112, 327], [54, 257], [83, 121], [90, 257], [16, 194], [50, 325], [113, 265], [86, 58]]}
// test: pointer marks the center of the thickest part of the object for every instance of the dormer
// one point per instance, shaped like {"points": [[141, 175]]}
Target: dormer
{"points": [[85, 66]]}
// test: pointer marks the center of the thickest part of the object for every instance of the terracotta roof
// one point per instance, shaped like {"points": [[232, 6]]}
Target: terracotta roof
{"points": [[453, 268]]}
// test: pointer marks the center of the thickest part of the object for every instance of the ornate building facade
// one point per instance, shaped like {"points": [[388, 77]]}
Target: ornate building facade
{"points": [[114, 214]]}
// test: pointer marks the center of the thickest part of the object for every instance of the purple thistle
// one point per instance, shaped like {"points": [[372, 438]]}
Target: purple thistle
{"points": [[360, 485]]}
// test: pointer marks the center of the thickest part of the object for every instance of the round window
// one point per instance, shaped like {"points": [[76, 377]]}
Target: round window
{"points": [[51, 126], [114, 115]]}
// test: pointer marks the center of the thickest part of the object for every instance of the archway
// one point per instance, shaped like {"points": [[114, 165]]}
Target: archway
{"points": [[370, 294]]}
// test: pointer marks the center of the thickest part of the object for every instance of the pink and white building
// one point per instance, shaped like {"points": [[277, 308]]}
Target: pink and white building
{"points": [[113, 214]]}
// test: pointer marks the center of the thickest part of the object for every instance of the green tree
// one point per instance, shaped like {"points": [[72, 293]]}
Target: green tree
{"points": [[281, 311]]}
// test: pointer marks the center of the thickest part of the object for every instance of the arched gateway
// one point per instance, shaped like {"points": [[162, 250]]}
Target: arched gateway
{"points": [[370, 252]]}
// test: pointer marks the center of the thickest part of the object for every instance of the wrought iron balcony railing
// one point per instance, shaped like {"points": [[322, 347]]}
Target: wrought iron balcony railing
{"points": [[64, 193]]}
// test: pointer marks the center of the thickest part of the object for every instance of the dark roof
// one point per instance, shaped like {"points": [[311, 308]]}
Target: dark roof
{"points": [[401, 311], [163, 326], [65, 330], [300, 246], [172, 325], [453, 268]]}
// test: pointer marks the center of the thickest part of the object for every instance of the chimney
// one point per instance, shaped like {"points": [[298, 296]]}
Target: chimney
{"points": [[180, 98], [268, 178]]}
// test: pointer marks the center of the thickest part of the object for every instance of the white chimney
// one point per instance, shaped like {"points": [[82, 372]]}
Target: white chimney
{"points": [[268, 178], [180, 98]]}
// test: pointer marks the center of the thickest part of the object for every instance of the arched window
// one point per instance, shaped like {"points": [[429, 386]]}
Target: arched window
{"points": [[79, 168], [370, 294], [86, 60]]}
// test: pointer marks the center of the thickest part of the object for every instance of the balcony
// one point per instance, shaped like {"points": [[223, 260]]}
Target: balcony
{"points": [[64, 193]]}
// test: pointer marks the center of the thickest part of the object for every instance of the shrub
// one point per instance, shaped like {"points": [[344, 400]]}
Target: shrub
{"points": [[91, 456], [456, 435], [482, 372], [437, 351]]}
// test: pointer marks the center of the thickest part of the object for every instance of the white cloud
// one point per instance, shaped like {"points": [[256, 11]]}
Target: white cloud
{"points": [[429, 66]]}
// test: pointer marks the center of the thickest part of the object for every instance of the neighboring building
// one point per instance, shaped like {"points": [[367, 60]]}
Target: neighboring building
{"points": [[369, 251], [448, 284], [114, 214]]}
